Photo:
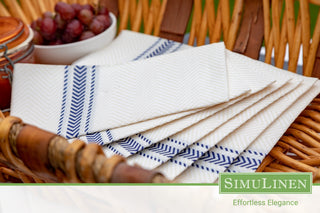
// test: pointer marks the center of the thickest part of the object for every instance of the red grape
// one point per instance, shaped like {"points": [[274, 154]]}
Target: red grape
{"points": [[77, 7], [96, 26], [86, 34], [37, 38], [65, 10], [67, 38], [71, 22], [74, 28], [105, 20], [85, 16], [61, 24], [39, 21], [47, 14], [56, 42], [103, 11], [48, 28], [88, 7], [35, 25]]}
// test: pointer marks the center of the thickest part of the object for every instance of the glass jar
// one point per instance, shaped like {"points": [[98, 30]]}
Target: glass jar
{"points": [[16, 46]]}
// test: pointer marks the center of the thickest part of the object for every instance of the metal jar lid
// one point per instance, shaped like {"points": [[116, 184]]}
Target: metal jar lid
{"points": [[14, 37]]}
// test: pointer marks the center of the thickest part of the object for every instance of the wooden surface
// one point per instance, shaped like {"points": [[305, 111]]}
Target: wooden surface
{"points": [[251, 34], [175, 19]]}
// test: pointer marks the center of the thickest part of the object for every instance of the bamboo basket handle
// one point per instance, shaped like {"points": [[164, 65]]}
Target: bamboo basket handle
{"points": [[54, 159]]}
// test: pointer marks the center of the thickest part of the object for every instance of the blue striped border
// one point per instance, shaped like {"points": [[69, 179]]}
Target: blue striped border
{"points": [[64, 99], [77, 101], [147, 50], [92, 92]]}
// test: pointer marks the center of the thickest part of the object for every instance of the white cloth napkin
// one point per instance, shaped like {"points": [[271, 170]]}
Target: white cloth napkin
{"points": [[130, 46], [188, 114], [77, 100], [173, 167], [250, 159], [161, 152], [132, 145], [238, 73], [207, 168], [186, 157]]}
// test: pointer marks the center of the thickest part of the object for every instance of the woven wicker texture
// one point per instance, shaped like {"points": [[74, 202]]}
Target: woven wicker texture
{"points": [[276, 23], [53, 159]]}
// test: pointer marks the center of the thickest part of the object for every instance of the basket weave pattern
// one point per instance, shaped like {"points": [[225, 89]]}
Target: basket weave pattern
{"points": [[29, 154]]}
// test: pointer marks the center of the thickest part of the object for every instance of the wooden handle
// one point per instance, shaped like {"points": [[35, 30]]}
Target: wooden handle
{"points": [[46, 156]]}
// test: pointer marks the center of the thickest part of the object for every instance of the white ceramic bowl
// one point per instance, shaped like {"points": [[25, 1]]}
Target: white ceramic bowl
{"points": [[65, 54]]}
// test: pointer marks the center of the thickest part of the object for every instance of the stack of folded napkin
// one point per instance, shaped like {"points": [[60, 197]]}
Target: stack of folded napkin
{"points": [[190, 113]]}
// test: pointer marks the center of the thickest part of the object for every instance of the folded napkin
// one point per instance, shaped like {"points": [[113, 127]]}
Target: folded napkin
{"points": [[208, 167], [190, 114], [130, 46], [132, 145], [186, 157], [161, 152], [77, 100], [237, 75], [251, 157]]}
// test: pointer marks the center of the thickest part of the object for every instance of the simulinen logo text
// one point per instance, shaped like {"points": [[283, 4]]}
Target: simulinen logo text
{"points": [[265, 183]]}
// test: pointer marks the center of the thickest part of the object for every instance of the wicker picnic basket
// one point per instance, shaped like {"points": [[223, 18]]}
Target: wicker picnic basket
{"points": [[29, 154]]}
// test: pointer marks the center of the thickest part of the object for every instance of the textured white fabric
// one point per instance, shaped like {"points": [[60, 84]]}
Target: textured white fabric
{"points": [[189, 155], [262, 145], [174, 145], [190, 114], [96, 98], [130, 46], [207, 168], [240, 77]]}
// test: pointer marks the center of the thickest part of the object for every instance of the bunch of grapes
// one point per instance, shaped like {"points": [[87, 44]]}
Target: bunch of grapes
{"points": [[70, 23]]}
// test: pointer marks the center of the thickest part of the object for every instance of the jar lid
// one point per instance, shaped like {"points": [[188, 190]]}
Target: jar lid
{"points": [[13, 32]]}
